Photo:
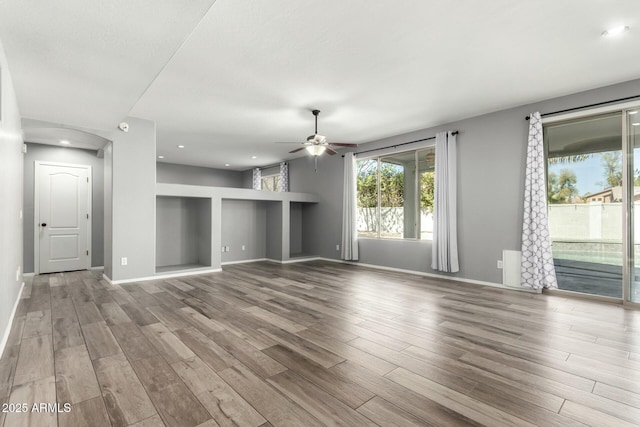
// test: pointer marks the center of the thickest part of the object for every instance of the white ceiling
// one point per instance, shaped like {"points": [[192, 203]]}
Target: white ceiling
{"points": [[231, 80]]}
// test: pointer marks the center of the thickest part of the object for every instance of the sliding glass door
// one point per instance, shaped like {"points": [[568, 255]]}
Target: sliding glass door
{"points": [[584, 178], [593, 193], [632, 124]]}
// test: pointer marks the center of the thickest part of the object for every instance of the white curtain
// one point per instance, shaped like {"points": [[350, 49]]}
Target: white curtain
{"points": [[537, 270], [284, 176], [257, 179], [349, 212], [444, 254]]}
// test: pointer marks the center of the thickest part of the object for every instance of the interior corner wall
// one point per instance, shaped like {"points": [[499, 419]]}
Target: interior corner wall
{"points": [[11, 165], [491, 161], [193, 175], [133, 198], [52, 153], [108, 210], [322, 224]]}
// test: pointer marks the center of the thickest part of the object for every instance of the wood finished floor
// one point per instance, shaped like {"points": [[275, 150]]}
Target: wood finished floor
{"points": [[312, 344]]}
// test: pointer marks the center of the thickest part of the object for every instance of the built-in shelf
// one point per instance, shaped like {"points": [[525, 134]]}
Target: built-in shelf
{"points": [[200, 226], [183, 233]]}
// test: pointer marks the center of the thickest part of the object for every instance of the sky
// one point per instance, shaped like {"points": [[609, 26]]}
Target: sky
{"points": [[590, 173]]}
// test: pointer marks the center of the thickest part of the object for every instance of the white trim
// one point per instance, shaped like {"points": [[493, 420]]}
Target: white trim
{"points": [[7, 331], [292, 261], [297, 260], [101, 267], [244, 261], [422, 273], [162, 276], [28, 274], [591, 112], [36, 210]]}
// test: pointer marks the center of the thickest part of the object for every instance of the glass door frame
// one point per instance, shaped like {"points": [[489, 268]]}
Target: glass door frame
{"points": [[628, 208], [627, 205]]}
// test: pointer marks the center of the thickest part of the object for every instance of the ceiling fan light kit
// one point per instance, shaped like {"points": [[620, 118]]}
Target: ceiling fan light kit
{"points": [[317, 144], [316, 150]]}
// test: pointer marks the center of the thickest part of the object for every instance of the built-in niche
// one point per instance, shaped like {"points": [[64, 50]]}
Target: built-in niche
{"points": [[183, 233], [244, 230], [300, 229]]}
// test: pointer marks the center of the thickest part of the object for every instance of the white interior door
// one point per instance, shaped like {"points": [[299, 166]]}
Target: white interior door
{"points": [[63, 204]]}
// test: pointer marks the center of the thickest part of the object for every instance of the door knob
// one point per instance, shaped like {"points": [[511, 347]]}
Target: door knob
{"points": [[44, 224]]}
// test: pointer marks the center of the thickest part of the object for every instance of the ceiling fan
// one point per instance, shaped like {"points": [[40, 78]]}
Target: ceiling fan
{"points": [[317, 144]]}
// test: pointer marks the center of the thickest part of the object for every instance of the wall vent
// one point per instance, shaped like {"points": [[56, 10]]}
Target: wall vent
{"points": [[511, 268]]}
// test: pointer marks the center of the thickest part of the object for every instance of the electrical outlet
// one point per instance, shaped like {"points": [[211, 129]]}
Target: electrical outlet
{"points": [[500, 264], [243, 248], [226, 248], [123, 260], [337, 247]]}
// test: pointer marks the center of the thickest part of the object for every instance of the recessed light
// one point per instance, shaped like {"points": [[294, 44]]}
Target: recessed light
{"points": [[64, 142], [180, 146], [635, 124], [227, 164], [615, 31], [633, 112], [161, 157], [254, 157]]}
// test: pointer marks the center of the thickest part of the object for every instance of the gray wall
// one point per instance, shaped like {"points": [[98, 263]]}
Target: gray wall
{"points": [[183, 231], [133, 197], [244, 222], [193, 175], [11, 163], [247, 179], [491, 159], [108, 211], [51, 153], [274, 230], [295, 232]]}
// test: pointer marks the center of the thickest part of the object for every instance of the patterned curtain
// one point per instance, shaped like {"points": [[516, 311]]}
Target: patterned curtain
{"points": [[537, 270], [444, 250], [284, 176], [257, 179]]}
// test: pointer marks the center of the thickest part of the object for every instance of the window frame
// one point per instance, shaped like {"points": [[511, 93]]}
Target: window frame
{"points": [[416, 183], [271, 175]]}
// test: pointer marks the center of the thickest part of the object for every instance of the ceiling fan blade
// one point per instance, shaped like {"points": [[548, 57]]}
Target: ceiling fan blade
{"points": [[297, 149], [330, 151], [341, 144]]}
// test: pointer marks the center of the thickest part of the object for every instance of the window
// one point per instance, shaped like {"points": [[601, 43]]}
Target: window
{"points": [[271, 183], [395, 195]]}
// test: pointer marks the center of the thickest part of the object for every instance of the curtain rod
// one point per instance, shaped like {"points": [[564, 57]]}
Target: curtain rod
{"points": [[597, 104], [270, 166], [455, 132]]}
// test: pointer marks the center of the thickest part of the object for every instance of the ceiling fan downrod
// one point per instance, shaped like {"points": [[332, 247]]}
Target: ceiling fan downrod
{"points": [[315, 113]]}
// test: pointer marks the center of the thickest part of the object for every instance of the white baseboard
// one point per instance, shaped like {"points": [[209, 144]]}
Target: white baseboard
{"points": [[296, 260], [163, 276], [101, 267], [28, 274], [7, 331], [244, 261], [434, 275], [292, 261]]}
